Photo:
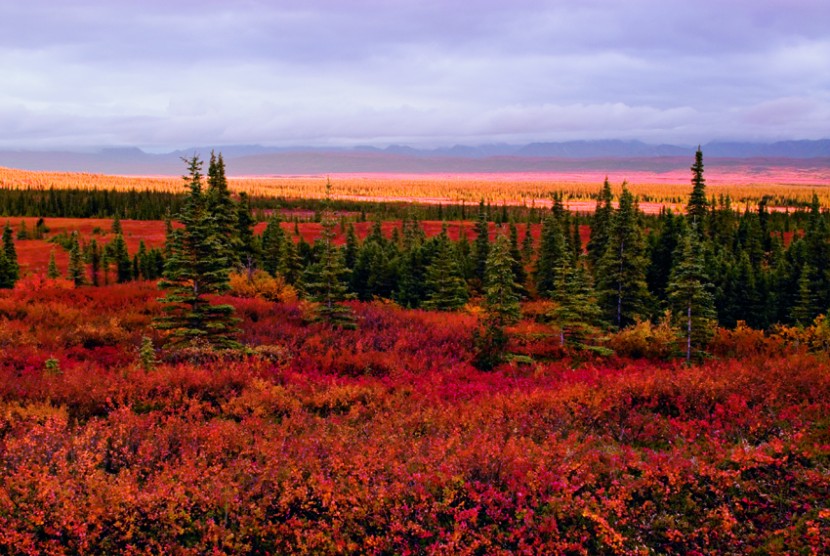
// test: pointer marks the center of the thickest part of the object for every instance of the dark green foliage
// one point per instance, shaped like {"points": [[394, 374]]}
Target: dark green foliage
{"points": [[325, 281], [244, 230], [601, 224], [196, 267], [554, 254], [698, 207], [52, 269], [77, 269], [272, 246], [9, 268], [576, 311], [518, 269], [223, 211], [689, 293], [481, 249], [501, 306], [662, 246], [446, 288], [117, 253], [621, 272]]}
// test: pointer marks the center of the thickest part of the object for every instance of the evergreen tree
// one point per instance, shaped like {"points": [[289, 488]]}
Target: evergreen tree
{"points": [[325, 280], [481, 248], [698, 207], [77, 269], [52, 271], [446, 289], [554, 254], [244, 238], [620, 275], [601, 224], [518, 269], [663, 244], [196, 267], [689, 294], [224, 215], [501, 305], [9, 267], [807, 305], [272, 248], [576, 312], [121, 257], [291, 265], [351, 248], [95, 261]]}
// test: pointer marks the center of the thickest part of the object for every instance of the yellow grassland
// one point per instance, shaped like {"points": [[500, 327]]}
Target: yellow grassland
{"points": [[523, 188]]}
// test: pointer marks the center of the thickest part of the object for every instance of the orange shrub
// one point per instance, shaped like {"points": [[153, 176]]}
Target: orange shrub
{"points": [[261, 284]]}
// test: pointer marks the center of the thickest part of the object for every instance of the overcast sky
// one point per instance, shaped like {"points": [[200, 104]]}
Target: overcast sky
{"points": [[179, 73]]}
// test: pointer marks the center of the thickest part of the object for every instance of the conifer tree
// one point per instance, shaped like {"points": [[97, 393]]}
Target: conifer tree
{"points": [[77, 269], [291, 265], [95, 261], [807, 306], [223, 211], [576, 312], [325, 280], [196, 267], [501, 306], [52, 271], [698, 207], [273, 238], [9, 268], [689, 292], [244, 238], [121, 257], [553, 255], [481, 248], [601, 224], [518, 269], [620, 275], [351, 248], [446, 288]]}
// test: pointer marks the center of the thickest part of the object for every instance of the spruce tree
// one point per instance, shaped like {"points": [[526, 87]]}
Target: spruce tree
{"points": [[121, 257], [223, 211], [52, 271], [446, 288], [601, 224], [325, 281], [244, 238], [689, 292], [481, 248], [698, 207], [273, 238], [77, 269], [518, 269], [807, 306], [196, 267], [621, 272], [501, 305], [9, 267], [553, 255], [576, 311]]}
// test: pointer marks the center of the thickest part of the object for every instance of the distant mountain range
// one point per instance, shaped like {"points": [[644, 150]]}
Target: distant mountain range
{"points": [[535, 157]]}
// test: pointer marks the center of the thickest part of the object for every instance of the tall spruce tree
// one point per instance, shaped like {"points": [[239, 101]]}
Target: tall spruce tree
{"points": [[689, 292], [621, 272], [52, 271], [501, 305], [9, 267], [223, 212], [196, 267], [601, 224], [446, 288], [325, 281], [698, 208], [576, 311], [481, 248], [77, 268], [554, 254]]}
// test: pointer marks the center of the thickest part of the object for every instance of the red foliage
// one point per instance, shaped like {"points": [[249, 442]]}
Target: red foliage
{"points": [[386, 440]]}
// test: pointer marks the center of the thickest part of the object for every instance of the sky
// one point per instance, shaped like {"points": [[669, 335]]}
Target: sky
{"points": [[179, 73]]}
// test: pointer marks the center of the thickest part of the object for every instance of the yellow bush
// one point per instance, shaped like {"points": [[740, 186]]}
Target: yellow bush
{"points": [[263, 285], [645, 339]]}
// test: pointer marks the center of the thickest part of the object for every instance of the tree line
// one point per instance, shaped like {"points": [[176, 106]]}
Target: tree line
{"points": [[713, 264]]}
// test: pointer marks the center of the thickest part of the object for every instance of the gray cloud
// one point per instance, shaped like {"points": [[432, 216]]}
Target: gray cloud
{"points": [[178, 73]]}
